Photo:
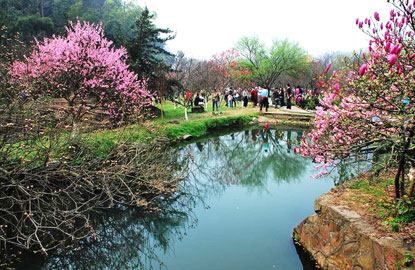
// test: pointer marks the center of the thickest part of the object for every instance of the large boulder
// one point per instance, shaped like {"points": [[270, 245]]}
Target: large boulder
{"points": [[154, 111], [198, 109]]}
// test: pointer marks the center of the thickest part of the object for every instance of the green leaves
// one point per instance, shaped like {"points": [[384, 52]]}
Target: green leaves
{"points": [[267, 65]]}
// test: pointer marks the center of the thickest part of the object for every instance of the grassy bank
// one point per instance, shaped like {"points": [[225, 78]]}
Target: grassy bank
{"points": [[373, 199], [103, 141], [172, 125]]}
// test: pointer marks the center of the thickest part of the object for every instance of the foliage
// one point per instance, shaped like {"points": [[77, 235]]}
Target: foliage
{"points": [[267, 65], [227, 72], [83, 69], [146, 48], [44, 17], [372, 107], [187, 74], [34, 26]]}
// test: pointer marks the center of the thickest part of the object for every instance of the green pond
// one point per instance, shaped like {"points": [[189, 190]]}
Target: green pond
{"points": [[244, 193]]}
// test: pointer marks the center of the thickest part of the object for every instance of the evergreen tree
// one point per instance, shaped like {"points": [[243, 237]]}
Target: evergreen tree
{"points": [[146, 48]]}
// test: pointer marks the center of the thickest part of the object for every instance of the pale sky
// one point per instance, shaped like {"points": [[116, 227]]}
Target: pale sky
{"points": [[208, 27]]}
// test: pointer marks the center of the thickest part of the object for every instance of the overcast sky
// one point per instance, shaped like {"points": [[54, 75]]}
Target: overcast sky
{"points": [[207, 27]]}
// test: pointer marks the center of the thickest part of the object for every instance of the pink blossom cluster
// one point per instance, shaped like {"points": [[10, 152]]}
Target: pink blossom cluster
{"points": [[83, 67], [229, 73], [376, 102]]}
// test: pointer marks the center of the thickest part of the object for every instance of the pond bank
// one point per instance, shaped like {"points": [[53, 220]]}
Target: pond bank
{"points": [[183, 131], [339, 238]]}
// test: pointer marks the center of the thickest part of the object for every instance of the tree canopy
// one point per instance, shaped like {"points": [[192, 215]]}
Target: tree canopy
{"points": [[40, 18], [86, 71], [267, 65], [146, 48]]}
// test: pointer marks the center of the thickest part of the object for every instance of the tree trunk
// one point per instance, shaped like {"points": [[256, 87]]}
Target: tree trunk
{"points": [[401, 168], [185, 113], [42, 14], [74, 129], [411, 176], [161, 109], [403, 177]]}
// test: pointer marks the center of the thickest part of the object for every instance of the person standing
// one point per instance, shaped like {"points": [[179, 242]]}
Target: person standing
{"points": [[235, 97], [289, 96], [264, 100], [245, 97], [276, 97], [230, 102], [189, 100], [281, 97], [259, 96], [252, 95], [215, 100]]}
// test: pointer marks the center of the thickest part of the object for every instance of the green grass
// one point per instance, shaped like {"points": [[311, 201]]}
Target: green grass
{"points": [[359, 185], [201, 127], [100, 143], [171, 113], [366, 188]]}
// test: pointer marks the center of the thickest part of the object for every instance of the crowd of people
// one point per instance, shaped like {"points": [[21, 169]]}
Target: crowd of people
{"points": [[278, 97]]}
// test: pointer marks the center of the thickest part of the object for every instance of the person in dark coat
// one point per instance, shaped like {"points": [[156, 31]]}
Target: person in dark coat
{"points": [[276, 97], [282, 103], [289, 96]]}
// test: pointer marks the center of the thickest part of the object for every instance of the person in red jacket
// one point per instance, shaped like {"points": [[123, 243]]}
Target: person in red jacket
{"points": [[189, 98]]}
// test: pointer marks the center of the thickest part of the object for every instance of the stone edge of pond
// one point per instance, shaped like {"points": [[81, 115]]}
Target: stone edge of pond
{"points": [[338, 238]]}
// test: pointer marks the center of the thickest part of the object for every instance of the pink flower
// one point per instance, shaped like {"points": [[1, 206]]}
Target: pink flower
{"points": [[266, 126], [387, 47], [395, 49], [377, 16], [392, 59], [363, 69], [328, 66]]}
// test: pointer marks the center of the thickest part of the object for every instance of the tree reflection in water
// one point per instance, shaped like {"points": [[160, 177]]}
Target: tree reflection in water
{"points": [[248, 158], [131, 239]]}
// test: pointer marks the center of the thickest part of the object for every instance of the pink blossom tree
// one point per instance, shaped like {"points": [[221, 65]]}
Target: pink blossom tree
{"points": [[84, 69], [227, 72], [373, 106]]}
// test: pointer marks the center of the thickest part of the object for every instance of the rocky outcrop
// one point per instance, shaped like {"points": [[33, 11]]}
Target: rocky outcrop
{"points": [[198, 109], [338, 239]]}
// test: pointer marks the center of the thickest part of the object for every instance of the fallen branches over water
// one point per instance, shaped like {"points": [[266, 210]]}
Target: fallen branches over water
{"points": [[49, 206]]}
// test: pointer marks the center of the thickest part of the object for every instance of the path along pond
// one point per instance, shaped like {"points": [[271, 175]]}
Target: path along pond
{"points": [[236, 210]]}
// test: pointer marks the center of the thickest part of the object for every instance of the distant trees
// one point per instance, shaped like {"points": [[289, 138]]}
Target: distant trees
{"points": [[227, 70], [267, 65], [40, 18]]}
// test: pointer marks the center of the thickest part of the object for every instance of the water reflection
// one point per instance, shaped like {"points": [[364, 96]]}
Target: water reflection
{"points": [[249, 158], [126, 239], [255, 160]]}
